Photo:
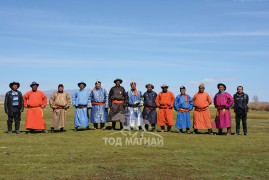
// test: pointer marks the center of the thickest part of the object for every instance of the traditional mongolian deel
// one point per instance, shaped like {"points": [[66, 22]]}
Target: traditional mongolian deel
{"points": [[98, 102], [80, 101], [59, 102], [223, 101], [35, 101], [183, 105], [165, 102], [133, 115], [201, 114], [117, 101], [149, 111]]}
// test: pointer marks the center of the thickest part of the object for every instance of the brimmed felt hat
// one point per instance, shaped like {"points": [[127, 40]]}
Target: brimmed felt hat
{"points": [[60, 85], [11, 84], [82, 83], [117, 80], [34, 83], [164, 86], [147, 85], [221, 84]]}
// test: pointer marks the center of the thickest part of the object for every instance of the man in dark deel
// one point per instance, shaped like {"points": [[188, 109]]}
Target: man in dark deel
{"points": [[117, 100], [241, 109], [14, 107]]}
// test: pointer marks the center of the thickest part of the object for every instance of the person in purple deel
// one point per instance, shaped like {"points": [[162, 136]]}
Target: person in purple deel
{"points": [[223, 102]]}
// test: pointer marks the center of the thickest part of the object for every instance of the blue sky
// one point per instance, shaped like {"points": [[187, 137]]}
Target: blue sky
{"points": [[174, 42]]}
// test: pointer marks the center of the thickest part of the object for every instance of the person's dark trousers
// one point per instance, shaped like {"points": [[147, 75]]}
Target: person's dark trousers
{"points": [[16, 115], [241, 115]]}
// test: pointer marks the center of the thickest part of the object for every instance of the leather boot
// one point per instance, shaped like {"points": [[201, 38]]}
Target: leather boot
{"points": [[9, 127], [17, 127]]}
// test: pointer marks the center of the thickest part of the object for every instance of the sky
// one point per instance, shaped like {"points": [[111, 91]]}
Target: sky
{"points": [[177, 42]]}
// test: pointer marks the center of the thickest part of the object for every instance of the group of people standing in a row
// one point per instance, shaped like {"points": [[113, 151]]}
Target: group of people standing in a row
{"points": [[125, 108]]}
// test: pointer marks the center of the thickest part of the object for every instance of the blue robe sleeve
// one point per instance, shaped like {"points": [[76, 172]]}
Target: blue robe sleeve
{"points": [[177, 103], [74, 97], [191, 103]]}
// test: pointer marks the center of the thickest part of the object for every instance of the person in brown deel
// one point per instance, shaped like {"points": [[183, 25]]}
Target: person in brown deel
{"points": [[117, 100], [59, 102], [165, 103]]}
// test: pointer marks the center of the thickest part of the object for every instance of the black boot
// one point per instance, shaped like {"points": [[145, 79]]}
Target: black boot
{"points": [[113, 126], [187, 130], [121, 126], [180, 131], [140, 128], [229, 131], [9, 127], [95, 126], [61, 129], [17, 127], [220, 132], [52, 130], [75, 129], [195, 131], [162, 129], [169, 129], [210, 131], [88, 127], [146, 127], [102, 126]]}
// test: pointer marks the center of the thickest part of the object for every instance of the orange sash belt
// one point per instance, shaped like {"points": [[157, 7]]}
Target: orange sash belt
{"points": [[164, 107], [183, 110], [118, 102], [150, 108], [98, 103]]}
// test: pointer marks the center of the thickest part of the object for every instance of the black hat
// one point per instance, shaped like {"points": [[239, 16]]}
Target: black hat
{"points": [[82, 83], [34, 83], [11, 84], [221, 84], [182, 87], [60, 85], [117, 80], [97, 82], [147, 85]]}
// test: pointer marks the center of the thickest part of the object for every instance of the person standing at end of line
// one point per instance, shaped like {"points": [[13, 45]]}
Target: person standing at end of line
{"points": [[13, 107], [241, 109]]}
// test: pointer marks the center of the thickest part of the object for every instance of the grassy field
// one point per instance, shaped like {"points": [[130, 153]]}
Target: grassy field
{"points": [[84, 155]]}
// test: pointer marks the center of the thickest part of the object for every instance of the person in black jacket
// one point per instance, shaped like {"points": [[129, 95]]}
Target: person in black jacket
{"points": [[241, 109], [14, 107]]}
